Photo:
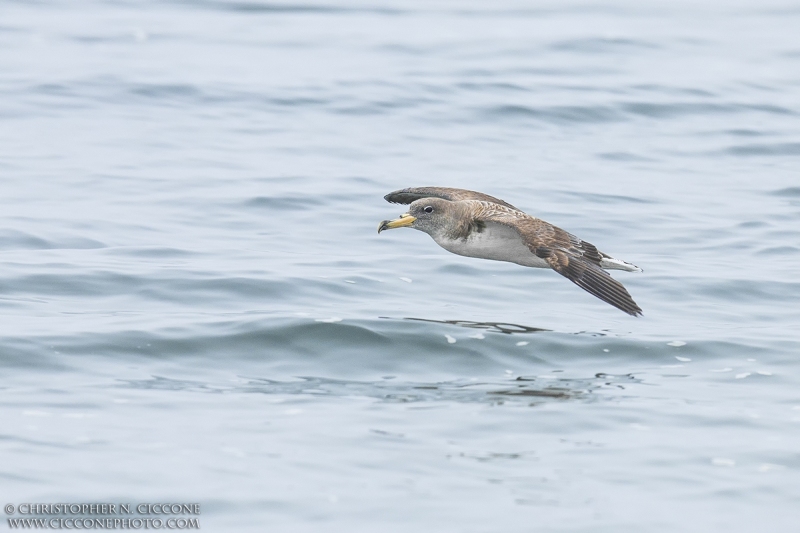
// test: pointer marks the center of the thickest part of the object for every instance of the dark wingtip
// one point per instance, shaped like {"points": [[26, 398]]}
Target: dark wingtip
{"points": [[402, 196], [410, 194], [628, 306], [621, 300], [595, 281]]}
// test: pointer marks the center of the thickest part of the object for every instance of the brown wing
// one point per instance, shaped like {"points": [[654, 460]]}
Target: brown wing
{"points": [[406, 196], [573, 258], [590, 278]]}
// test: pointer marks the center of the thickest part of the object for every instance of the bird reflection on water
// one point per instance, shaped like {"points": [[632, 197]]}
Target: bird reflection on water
{"points": [[493, 327], [532, 390]]}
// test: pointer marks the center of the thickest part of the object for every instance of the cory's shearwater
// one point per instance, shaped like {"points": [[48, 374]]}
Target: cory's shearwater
{"points": [[478, 225]]}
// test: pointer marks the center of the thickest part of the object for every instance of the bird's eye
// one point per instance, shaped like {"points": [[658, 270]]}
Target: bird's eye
{"points": [[428, 209]]}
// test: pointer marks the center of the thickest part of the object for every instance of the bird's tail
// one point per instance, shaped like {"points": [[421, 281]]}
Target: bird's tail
{"points": [[609, 263]]}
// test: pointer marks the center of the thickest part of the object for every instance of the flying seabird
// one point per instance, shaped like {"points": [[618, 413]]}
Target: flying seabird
{"points": [[478, 225]]}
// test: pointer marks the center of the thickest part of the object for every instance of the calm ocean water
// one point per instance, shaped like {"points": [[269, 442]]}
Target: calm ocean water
{"points": [[196, 306]]}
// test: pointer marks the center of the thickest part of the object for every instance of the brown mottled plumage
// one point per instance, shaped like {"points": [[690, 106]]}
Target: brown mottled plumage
{"points": [[478, 225]]}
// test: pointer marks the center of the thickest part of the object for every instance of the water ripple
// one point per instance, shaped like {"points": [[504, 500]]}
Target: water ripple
{"points": [[771, 149], [530, 390]]}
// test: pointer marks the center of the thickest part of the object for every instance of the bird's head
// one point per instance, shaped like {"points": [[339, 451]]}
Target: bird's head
{"points": [[426, 214]]}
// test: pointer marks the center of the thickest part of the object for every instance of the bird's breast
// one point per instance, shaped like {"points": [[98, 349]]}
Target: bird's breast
{"points": [[496, 242]]}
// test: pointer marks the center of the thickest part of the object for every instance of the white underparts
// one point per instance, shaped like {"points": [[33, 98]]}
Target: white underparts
{"points": [[502, 243], [496, 242]]}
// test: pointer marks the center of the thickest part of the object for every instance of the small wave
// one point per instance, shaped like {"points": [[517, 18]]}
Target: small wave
{"points": [[273, 7], [154, 252], [178, 287], [788, 192], [19, 240], [11, 29], [745, 290], [557, 114], [667, 89], [492, 87], [741, 132], [780, 250], [262, 7], [52, 89], [163, 90], [679, 109], [597, 198], [781, 149], [623, 156], [284, 203], [750, 224], [380, 107], [602, 45], [623, 111]]}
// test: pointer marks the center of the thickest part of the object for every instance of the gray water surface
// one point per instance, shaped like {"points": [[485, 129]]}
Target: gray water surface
{"points": [[196, 305]]}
